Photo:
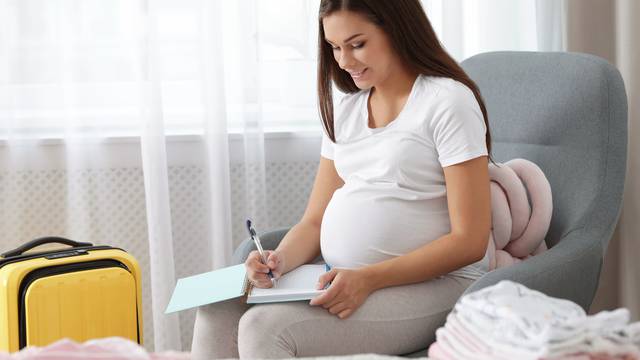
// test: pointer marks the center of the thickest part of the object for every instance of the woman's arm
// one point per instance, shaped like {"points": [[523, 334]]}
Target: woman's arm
{"points": [[469, 202], [302, 243]]}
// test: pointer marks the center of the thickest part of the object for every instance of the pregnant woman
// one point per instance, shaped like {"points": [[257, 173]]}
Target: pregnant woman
{"points": [[400, 207]]}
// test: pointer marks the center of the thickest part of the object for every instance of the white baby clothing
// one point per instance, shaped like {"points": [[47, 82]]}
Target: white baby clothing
{"points": [[393, 200], [510, 321]]}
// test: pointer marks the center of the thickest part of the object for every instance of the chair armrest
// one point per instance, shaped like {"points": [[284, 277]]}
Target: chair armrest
{"points": [[569, 270]]}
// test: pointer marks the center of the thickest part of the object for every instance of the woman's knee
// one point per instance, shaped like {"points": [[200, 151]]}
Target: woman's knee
{"points": [[215, 330], [262, 333], [210, 319], [227, 308]]}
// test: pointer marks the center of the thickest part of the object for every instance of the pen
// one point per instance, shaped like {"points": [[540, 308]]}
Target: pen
{"points": [[256, 240]]}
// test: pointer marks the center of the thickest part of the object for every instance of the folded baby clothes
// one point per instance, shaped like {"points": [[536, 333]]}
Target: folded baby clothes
{"points": [[510, 321], [521, 315]]}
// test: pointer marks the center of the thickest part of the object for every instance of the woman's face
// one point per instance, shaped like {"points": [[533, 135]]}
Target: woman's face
{"points": [[360, 48]]}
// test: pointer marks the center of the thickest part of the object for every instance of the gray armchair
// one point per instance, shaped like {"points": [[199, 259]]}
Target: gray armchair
{"points": [[566, 112]]}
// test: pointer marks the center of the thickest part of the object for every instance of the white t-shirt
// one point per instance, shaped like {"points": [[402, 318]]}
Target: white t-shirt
{"points": [[394, 198]]}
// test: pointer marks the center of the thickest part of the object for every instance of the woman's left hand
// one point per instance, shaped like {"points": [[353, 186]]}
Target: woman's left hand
{"points": [[348, 290]]}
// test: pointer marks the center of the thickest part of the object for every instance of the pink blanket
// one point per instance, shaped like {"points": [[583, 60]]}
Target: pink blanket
{"points": [[111, 348], [521, 208]]}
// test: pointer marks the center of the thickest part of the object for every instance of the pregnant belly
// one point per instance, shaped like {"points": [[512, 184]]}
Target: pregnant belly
{"points": [[362, 228]]}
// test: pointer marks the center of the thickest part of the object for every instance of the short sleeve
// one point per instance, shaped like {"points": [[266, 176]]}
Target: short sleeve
{"points": [[327, 146], [458, 129]]}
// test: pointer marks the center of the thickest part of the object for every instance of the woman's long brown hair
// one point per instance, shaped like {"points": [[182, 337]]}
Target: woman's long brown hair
{"points": [[410, 32]]}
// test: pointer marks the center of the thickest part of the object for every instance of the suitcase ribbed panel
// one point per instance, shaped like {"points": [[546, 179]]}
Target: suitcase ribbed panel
{"points": [[81, 305]]}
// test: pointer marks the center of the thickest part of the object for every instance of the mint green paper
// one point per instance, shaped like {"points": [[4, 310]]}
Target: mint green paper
{"points": [[207, 288]]}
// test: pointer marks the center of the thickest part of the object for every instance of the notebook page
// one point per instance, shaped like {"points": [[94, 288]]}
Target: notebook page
{"points": [[302, 279], [206, 288]]}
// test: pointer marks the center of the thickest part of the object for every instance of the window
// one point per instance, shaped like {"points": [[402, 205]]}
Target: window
{"points": [[85, 65]]}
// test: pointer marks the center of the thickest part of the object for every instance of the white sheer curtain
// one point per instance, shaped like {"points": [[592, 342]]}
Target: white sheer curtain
{"points": [[101, 100], [469, 27]]}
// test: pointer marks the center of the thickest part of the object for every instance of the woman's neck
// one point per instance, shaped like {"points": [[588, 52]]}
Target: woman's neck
{"points": [[395, 88]]}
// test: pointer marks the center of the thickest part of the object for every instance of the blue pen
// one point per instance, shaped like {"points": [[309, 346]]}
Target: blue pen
{"points": [[256, 240], [328, 268]]}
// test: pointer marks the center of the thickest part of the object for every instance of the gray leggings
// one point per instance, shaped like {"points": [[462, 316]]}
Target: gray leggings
{"points": [[392, 321]]}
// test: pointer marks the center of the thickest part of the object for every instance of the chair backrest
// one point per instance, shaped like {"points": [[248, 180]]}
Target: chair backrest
{"points": [[566, 112]]}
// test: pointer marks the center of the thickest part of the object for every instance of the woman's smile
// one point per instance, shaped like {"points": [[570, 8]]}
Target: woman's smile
{"points": [[358, 75]]}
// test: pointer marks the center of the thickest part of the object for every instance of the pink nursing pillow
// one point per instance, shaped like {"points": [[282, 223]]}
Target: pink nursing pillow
{"points": [[516, 196], [541, 248], [513, 185], [491, 251], [503, 259], [500, 215], [539, 191]]}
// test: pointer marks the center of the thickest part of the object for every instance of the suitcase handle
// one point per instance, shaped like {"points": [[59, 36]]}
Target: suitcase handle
{"points": [[41, 241]]}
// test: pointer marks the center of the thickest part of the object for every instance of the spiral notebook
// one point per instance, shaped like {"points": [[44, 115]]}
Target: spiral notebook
{"points": [[232, 282]]}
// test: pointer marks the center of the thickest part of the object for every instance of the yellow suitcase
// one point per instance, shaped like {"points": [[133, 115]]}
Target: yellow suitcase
{"points": [[79, 292]]}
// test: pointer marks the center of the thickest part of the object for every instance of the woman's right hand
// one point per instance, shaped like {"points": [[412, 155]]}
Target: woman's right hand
{"points": [[257, 272]]}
